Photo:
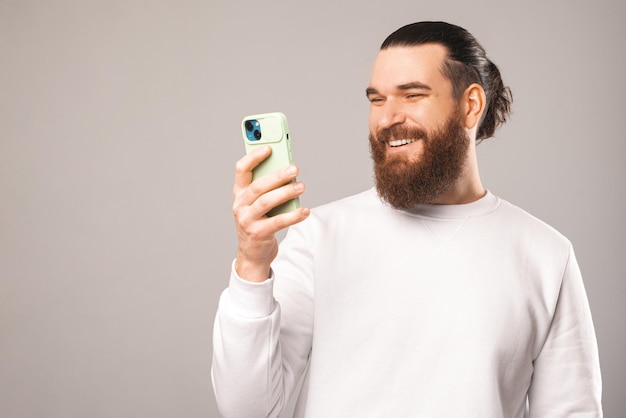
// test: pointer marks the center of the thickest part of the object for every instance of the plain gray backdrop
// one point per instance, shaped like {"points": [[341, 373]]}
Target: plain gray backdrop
{"points": [[119, 129]]}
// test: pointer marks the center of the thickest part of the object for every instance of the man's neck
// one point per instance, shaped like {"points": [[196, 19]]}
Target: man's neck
{"points": [[461, 197], [467, 189]]}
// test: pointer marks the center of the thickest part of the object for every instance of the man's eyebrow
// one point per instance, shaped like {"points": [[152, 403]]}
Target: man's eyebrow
{"points": [[414, 85], [370, 90], [407, 86]]}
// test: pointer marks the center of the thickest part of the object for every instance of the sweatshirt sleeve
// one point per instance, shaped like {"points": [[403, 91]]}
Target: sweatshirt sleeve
{"points": [[246, 352], [566, 379], [262, 335]]}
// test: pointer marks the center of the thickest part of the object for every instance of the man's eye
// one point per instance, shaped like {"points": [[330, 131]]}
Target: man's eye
{"points": [[376, 100], [414, 96]]}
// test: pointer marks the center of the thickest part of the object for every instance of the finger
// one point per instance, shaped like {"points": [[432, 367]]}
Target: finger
{"points": [[253, 223], [266, 184], [284, 220], [275, 197], [245, 165]]}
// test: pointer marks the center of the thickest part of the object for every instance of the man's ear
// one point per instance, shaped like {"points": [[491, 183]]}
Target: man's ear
{"points": [[474, 102]]}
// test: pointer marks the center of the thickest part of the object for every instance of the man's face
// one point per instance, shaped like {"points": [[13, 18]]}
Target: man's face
{"points": [[418, 141]]}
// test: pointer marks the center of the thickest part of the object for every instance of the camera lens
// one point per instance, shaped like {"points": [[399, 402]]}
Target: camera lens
{"points": [[249, 126], [257, 134]]}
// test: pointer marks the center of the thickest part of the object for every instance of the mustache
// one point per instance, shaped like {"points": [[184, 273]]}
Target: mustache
{"points": [[400, 132]]}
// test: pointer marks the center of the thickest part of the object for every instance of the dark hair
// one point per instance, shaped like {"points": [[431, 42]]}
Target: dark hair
{"points": [[467, 63]]}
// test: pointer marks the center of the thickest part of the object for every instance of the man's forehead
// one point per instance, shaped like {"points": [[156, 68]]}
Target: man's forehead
{"points": [[405, 64]]}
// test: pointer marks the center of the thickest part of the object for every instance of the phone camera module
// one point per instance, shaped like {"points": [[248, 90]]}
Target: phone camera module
{"points": [[253, 130]]}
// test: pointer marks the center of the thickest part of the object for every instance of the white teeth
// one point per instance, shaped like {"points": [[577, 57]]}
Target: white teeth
{"points": [[399, 142]]}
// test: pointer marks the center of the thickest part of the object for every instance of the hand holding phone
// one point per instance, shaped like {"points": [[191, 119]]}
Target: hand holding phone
{"points": [[261, 178], [270, 129]]}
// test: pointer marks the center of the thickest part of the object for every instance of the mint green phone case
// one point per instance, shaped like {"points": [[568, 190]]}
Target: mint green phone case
{"points": [[270, 129]]}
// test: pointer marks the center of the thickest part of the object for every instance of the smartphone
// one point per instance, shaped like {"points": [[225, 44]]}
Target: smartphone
{"points": [[270, 129]]}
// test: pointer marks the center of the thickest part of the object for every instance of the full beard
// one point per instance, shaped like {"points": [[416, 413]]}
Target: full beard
{"points": [[407, 181]]}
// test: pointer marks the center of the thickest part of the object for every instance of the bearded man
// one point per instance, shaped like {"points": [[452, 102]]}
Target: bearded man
{"points": [[426, 296]]}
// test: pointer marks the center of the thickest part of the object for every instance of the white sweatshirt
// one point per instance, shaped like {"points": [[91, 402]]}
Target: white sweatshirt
{"points": [[473, 310]]}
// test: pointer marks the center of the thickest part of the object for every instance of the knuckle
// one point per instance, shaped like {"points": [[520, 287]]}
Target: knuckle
{"points": [[254, 188], [278, 222], [236, 212], [264, 201], [241, 167], [241, 218], [255, 232]]}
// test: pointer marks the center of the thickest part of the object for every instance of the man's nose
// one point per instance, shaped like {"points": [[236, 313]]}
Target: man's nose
{"points": [[392, 113]]}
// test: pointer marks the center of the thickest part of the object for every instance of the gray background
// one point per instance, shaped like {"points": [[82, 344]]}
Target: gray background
{"points": [[119, 129]]}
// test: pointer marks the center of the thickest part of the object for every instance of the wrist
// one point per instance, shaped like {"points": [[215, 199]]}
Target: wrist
{"points": [[249, 299], [252, 271]]}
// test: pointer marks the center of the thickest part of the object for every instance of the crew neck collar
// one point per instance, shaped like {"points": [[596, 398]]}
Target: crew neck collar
{"points": [[486, 204]]}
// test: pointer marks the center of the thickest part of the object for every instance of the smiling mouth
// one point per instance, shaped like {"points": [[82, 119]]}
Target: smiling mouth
{"points": [[400, 142]]}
